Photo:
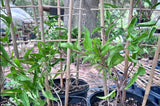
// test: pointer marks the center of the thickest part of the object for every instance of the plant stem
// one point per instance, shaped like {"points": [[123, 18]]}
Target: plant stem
{"points": [[105, 83], [127, 53], [1, 78]]}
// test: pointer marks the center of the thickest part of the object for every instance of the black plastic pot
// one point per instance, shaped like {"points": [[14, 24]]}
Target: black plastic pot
{"points": [[74, 100], [82, 93], [129, 93], [157, 31]]}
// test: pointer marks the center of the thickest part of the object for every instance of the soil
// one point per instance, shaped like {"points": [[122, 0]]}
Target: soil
{"points": [[128, 102], [72, 87]]}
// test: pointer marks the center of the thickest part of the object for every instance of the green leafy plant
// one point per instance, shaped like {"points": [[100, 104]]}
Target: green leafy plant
{"points": [[135, 37], [30, 81], [106, 56]]}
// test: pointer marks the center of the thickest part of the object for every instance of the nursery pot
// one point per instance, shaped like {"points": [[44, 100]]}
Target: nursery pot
{"points": [[130, 94], [73, 101], [81, 90], [157, 31]]}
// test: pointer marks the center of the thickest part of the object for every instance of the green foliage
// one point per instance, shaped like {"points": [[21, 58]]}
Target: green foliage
{"points": [[147, 24], [112, 94], [4, 54], [26, 89], [6, 19]]}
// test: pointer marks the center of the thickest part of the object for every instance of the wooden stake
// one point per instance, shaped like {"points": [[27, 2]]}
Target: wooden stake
{"points": [[7, 6], [154, 64], [41, 20], [103, 42], [127, 52], [49, 103], [34, 14], [59, 25], [79, 37], [68, 53]]}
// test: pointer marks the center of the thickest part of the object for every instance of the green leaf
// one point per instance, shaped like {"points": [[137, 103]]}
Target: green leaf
{"points": [[130, 59], [49, 95], [34, 67], [148, 2], [58, 28], [136, 3], [66, 45], [57, 74], [110, 5], [2, 3], [131, 82], [112, 94], [153, 7], [105, 49], [26, 56], [132, 24], [5, 39], [109, 28], [116, 59], [141, 71], [3, 61], [87, 40], [16, 61], [77, 46], [89, 57], [151, 32], [96, 29], [24, 99], [22, 78], [147, 24], [143, 36], [6, 19]]}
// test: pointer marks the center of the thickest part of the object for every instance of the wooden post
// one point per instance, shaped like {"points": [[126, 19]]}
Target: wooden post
{"points": [[154, 64], [43, 40], [59, 25], [7, 6], [79, 38], [41, 20], [103, 42], [68, 53], [35, 17], [127, 52]]}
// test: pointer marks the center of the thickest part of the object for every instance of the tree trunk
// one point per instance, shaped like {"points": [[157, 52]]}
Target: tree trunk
{"points": [[89, 20]]}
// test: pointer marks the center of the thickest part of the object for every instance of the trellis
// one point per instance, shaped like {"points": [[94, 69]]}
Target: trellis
{"points": [[125, 65]]}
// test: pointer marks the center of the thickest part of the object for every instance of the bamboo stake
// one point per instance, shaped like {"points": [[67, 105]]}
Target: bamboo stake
{"points": [[59, 25], [43, 40], [79, 37], [143, 9], [103, 42], [127, 52], [68, 53], [147, 90], [93, 9], [7, 6], [35, 18]]}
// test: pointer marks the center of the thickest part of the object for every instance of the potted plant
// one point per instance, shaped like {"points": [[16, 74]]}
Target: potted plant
{"points": [[30, 82], [76, 89], [135, 48], [107, 56]]}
